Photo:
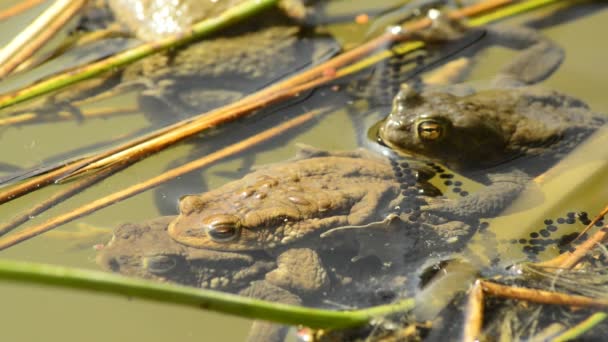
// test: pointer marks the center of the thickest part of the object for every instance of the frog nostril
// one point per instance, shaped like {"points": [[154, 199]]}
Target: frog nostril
{"points": [[113, 265]]}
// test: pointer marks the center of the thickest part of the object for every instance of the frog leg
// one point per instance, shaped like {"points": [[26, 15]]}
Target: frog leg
{"points": [[372, 225], [262, 330], [489, 202], [300, 270], [538, 60], [384, 239]]}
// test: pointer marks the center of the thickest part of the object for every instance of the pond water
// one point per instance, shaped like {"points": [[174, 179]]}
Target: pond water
{"points": [[40, 312]]}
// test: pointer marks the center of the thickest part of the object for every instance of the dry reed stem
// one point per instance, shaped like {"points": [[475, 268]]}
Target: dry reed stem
{"points": [[33, 231], [541, 296], [474, 313], [570, 259], [593, 222], [313, 77], [56, 198], [33, 37], [33, 184], [18, 8]]}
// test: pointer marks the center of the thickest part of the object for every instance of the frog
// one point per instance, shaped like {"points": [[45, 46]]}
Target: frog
{"points": [[501, 136], [313, 201], [145, 250], [222, 69]]}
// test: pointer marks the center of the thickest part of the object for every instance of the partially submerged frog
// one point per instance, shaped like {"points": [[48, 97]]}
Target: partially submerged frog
{"points": [[221, 70], [500, 136], [319, 192], [145, 250]]}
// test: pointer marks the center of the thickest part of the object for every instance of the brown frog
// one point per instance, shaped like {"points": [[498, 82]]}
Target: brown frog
{"points": [[501, 136], [291, 204], [221, 70], [146, 251]]}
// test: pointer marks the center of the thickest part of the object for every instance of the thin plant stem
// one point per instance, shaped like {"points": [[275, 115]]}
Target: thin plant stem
{"points": [[541, 296], [581, 328], [30, 232], [56, 198], [43, 28], [474, 313], [102, 282], [18, 8]]}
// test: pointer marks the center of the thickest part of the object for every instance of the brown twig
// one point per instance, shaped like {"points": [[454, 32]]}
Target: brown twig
{"points": [[33, 184], [474, 313], [541, 296], [30, 232], [62, 195], [43, 28], [18, 8], [570, 259], [592, 223], [313, 77]]}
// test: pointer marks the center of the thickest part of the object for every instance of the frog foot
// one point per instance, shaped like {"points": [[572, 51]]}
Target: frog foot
{"points": [[373, 225]]}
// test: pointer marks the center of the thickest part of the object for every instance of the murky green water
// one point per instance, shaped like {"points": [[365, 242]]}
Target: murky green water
{"points": [[34, 313]]}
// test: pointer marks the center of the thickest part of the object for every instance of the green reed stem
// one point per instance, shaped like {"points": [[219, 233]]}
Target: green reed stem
{"points": [[581, 328], [512, 10], [200, 29], [199, 298]]}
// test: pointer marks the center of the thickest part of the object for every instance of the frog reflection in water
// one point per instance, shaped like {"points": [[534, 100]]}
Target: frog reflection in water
{"points": [[488, 134], [291, 204]]}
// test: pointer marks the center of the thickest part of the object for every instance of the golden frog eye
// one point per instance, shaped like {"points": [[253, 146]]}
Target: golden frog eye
{"points": [[430, 130], [159, 264], [222, 228]]}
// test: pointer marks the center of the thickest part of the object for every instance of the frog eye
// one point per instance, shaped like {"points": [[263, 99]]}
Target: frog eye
{"points": [[222, 228], [159, 264], [430, 130]]}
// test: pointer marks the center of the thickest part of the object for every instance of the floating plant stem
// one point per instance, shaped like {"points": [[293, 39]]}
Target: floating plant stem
{"points": [[581, 328], [103, 202], [18, 8], [102, 282], [474, 313], [33, 37], [58, 197], [570, 259], [541, 296]]}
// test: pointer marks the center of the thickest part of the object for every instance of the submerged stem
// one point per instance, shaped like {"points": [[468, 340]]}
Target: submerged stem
{"points": [[199, 298]]}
